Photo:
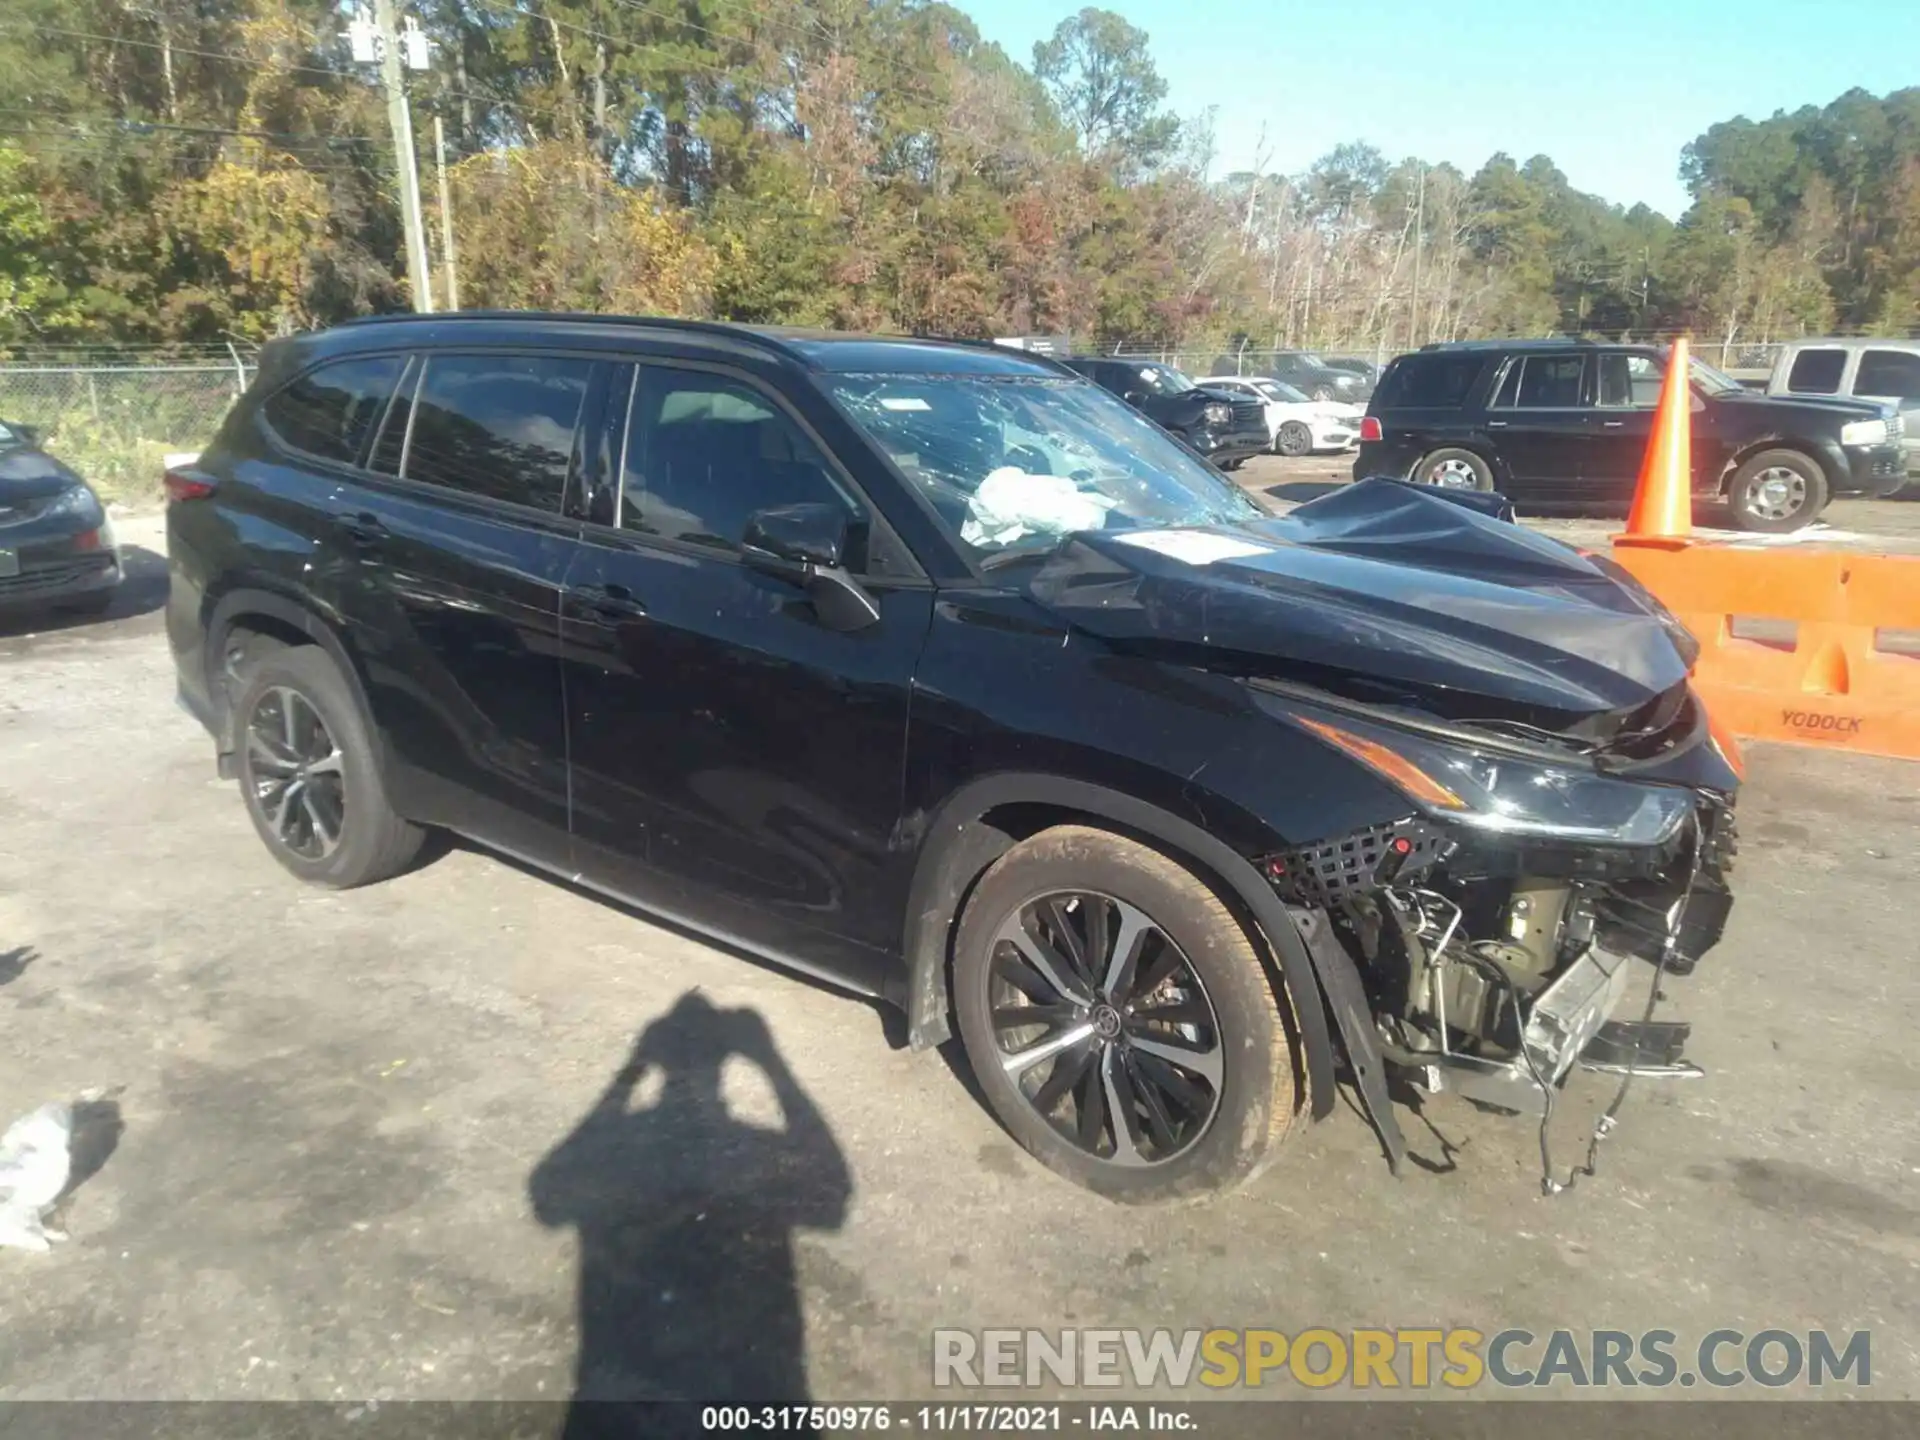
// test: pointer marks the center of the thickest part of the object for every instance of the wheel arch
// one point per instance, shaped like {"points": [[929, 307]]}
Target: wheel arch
{"points": [[273, 613], [1796, 444], [985, 818]]}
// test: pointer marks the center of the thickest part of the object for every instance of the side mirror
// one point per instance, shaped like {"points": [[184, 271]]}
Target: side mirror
{"points": [[798, 535], [807, 544]]}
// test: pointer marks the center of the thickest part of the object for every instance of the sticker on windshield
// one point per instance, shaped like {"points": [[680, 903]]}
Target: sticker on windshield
{"points": [[1195, 547], [903, 402]]}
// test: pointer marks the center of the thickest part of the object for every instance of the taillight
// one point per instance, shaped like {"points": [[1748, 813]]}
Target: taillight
{"points": [[1369, 428], [182, 486]]}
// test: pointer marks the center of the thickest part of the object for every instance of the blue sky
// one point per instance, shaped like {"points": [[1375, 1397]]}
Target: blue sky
{"points": [[1609, 90]]}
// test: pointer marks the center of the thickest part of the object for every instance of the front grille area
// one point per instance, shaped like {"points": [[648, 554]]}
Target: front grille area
{"points": [[47, 578], [1379, 855], [1885, 466], [1248, 412]]}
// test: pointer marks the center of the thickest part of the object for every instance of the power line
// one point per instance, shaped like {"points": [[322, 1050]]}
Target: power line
{"points": [[228, 56]]}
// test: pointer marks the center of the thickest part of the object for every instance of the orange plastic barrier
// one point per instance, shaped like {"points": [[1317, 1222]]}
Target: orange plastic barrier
{"points": [[1831, 685]]}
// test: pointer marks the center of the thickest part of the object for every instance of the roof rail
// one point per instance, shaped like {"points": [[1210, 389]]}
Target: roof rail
{"points": [[718, 328]]}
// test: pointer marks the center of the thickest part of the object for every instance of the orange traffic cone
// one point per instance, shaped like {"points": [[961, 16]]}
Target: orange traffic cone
{"points": [[1663, 503]]}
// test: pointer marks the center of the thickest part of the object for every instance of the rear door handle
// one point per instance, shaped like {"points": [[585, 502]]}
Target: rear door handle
{"points": [[1614, 424], [1496, 424], [363, 528], [611, 601]]}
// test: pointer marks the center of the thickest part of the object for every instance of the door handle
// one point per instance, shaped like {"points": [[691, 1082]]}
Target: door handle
{"points": [[1496, 424], [1613, 424], [611, 601], [363, 529]]}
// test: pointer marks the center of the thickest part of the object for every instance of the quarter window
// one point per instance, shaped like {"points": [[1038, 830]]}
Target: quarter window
{"points": [[500, 426], [1817, 372], [328, 411], [703, 453]]}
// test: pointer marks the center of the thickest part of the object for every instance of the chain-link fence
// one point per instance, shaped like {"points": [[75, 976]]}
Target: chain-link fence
{"points": [[113, 423]]}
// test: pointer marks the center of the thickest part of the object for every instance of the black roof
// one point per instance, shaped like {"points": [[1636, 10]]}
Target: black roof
{"points": [[829, 350]]}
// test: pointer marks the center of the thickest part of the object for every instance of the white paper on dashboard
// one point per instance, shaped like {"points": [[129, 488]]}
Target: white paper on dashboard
{"points": [[1195, 547]]}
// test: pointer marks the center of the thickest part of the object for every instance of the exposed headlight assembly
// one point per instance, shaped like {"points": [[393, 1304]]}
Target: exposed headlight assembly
{"points": [[1864, 432], [1508, 794], [1217, 414]]}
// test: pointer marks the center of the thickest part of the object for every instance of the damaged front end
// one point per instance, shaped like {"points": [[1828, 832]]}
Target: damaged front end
{"points": [[1549, 805], [1495, 927]]}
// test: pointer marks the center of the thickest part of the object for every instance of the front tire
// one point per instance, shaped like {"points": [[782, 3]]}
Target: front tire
{"points": [[1453, 469], [309, 777], [1777, 491], [1294, 439], [1119, 1019]]}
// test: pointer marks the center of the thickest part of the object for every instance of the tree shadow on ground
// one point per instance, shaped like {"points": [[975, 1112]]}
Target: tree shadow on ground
{"points": [[686, 1217]]}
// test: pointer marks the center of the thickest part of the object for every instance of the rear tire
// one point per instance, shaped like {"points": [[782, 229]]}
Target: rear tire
{"points": [[1777, 491], [1453, 469], [309, 774], [1294, 439], [1181, 1038]]}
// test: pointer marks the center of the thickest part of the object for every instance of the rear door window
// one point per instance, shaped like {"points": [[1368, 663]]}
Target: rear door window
{"points": [[1817, 372], [498, 426], [329, 411], [704, 452], [1542, 382], [1890, 375]]}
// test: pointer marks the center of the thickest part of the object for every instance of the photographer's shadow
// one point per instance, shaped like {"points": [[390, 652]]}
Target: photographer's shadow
{"points": [[686, 1215]]}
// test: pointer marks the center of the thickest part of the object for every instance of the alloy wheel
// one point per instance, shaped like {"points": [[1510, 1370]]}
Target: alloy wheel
{"points": [[1777, 493], [294, 773], [1105, 1028]]}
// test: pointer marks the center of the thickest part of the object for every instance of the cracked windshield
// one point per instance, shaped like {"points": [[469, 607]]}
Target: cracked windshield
{"points": [[1013, 466]]}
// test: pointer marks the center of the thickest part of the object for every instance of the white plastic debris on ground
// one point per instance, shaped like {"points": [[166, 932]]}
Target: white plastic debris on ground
{"points": [[35, 1160], [1012, 503]]}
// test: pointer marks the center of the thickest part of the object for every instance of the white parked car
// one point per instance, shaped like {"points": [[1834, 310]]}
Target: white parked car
{"points": [[1296, 425]]}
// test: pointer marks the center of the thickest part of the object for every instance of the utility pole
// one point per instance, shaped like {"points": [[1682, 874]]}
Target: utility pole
{"points": [[400, 118], [446, 215], [1419, 244]]}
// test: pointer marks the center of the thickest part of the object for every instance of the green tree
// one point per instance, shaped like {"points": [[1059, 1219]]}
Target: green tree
{"points": [[1103, 80]]}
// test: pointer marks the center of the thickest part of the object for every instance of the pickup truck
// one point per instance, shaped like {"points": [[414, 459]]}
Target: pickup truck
{"points": [[1866, 369]]}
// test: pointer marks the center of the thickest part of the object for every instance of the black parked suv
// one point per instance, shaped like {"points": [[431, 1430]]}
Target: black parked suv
{"points": [[935, 671], [1319, 379], [1226, 428], [1561, 422]]}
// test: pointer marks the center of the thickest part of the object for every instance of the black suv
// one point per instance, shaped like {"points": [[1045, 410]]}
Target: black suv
{"points": [[1562, 422], [1226, 428], [1319, 379], [937, 672]]}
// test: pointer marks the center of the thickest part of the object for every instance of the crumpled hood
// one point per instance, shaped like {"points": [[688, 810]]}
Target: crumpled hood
{"points": [[27, 474], [1405, 589]]}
